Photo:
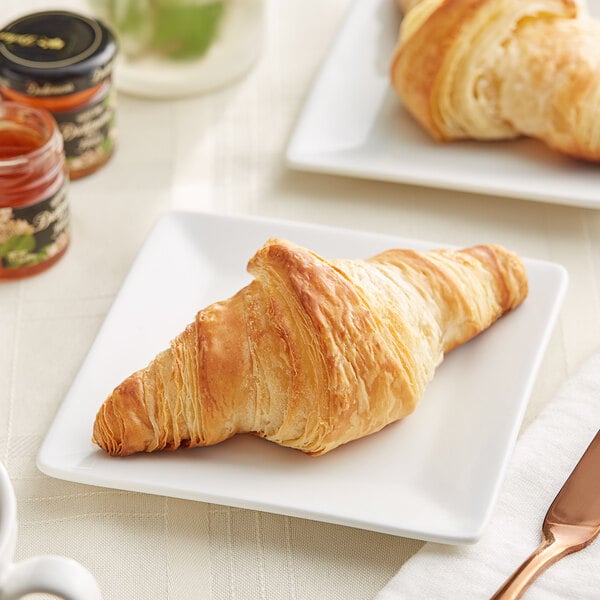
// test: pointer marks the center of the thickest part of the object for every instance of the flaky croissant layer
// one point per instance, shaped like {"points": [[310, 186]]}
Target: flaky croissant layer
{"points": [[313, 353], [498, 69]]}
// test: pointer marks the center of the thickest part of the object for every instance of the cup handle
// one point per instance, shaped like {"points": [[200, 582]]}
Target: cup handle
{"points": [[49, 574]]}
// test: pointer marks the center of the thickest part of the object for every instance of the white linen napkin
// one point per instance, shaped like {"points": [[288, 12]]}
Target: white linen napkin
{"points": [[543, 458]]}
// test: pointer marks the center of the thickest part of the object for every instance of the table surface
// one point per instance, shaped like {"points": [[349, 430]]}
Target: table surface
{"points": [[224, 153]]}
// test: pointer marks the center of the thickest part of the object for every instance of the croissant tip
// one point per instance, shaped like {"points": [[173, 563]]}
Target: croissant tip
{"points": [[122, 426], [509, 268]]}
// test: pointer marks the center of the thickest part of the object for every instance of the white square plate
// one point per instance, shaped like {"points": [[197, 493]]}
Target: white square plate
{"points": [[432, 476], [353, 124]]}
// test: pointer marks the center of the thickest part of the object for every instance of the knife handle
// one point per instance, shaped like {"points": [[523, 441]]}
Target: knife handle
{"points": [[548, 552]]}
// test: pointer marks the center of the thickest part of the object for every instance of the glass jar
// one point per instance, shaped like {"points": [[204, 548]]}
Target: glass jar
{"points": [[174, 48], [34, 213], [62, 62]]}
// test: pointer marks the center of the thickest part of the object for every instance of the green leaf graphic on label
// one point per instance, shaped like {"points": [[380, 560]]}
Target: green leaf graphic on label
{"points": [[107, 145], [17, 243]]}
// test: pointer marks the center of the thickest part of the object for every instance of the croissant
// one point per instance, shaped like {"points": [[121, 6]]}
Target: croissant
{"points": [[312, 353], [499, 69]]}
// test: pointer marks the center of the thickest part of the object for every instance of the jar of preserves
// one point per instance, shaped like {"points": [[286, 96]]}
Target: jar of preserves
{"points": [[34, 213], [62, 62]]}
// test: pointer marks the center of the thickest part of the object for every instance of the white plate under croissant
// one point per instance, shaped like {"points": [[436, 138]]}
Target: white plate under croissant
{"points": [[353, 123], [433, 475]]}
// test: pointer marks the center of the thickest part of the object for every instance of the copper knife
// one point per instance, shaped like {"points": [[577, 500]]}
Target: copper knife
{"points": [[571, 523]]}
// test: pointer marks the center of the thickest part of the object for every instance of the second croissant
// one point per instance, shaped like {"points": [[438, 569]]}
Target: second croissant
{"points": [[313, 353], [499, 69]]}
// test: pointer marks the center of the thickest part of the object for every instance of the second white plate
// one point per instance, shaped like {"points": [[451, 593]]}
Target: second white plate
{"points": [[434, 475], [353, 124]]}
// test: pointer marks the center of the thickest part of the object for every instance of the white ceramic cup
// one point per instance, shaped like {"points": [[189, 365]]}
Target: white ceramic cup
{"points": [[55, 575]]}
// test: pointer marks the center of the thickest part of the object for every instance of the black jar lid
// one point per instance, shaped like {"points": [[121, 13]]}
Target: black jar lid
{"points": [[55, 53]]}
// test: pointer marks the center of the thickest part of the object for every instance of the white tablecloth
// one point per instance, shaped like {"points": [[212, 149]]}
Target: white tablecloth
{"points": [[224, 153]]}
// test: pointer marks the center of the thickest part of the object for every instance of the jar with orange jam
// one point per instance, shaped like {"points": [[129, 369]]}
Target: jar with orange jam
{"points": [[62, 62], [34, 213]]}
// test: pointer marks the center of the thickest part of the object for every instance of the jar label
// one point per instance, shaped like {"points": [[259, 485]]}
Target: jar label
{"points": [[88, 133], [34, 233]]}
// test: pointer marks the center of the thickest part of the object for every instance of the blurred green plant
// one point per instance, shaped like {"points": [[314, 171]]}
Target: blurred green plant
{"points": [[178, 29]]}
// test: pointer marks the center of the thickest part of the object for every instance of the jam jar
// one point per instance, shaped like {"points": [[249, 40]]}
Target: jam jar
{"points": [[62, 61], [34, 213]]}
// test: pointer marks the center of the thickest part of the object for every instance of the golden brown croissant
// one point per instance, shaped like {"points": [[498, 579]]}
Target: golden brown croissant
{"points": [[498, 69], [313, 353]]}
